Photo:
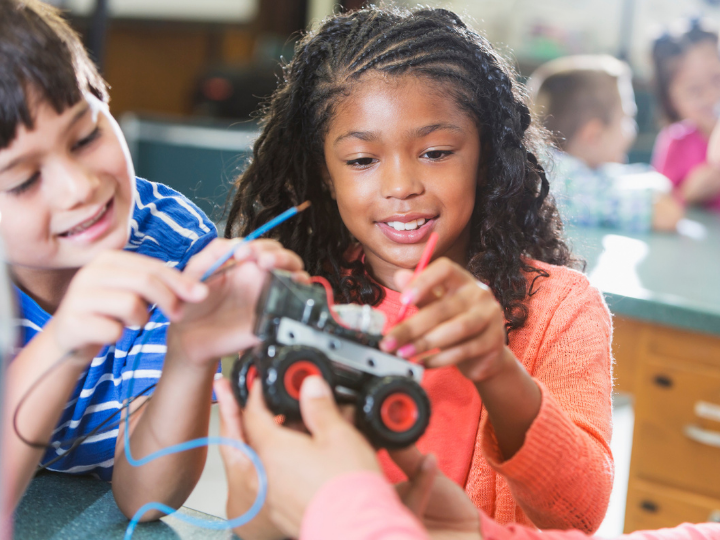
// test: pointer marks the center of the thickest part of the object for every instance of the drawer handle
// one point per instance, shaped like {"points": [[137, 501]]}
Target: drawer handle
{"points": [[714, 516], [702, 436], [708, 411], [663, 380], [649, 506]]}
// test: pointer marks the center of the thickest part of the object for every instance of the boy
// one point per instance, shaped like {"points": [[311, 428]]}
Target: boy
{"points": [[90, 248], [587, 102]]}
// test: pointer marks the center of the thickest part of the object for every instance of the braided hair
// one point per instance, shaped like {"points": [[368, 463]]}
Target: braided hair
{"points": [[514, 218]]}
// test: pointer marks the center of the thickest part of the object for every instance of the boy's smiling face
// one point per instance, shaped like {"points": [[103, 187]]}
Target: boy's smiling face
{"points": [[400, 155], [66, 189]]}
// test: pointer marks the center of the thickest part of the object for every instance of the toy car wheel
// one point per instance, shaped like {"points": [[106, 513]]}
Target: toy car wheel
{"points": [[393, 412], [244, 374], [285, 373]]}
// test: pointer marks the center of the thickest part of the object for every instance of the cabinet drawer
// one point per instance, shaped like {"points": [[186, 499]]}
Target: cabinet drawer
{"points": [[684, 346], [652, 506], [677, 427]]}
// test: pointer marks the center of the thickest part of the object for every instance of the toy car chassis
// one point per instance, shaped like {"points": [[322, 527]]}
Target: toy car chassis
{"points": [[301, 337]]}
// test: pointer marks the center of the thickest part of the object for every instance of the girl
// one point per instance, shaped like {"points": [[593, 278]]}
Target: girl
{"points": [[687, 72], [399, 123]]}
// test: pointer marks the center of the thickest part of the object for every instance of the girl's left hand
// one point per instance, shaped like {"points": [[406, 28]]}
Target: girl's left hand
{"points": [[458, 315], [222, 323]]}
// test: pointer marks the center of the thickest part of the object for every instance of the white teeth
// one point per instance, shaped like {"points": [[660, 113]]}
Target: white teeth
{"points": [[409, 226], [80, 228]]}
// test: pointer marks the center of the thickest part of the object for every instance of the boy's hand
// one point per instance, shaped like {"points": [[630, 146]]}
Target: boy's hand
{"points": [[297, 464], [458, 315], [667, 212], [114, 291], [222, 323]]}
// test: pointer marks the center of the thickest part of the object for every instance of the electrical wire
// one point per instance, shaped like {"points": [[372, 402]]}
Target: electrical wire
{"points": [[74, 442], [330, 299]]}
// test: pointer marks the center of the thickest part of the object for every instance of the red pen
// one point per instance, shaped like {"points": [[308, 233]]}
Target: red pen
{"points": [[424, 260]]}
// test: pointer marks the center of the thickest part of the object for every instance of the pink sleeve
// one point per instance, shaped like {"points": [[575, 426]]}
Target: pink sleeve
{"points": [[676, 156], [359, 506], [491, 530]]}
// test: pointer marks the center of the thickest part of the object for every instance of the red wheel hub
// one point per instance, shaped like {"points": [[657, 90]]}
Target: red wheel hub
{"points": [[295, 375], [250, 376], [399, 412]]}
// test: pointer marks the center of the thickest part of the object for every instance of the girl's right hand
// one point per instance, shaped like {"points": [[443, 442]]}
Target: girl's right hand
{"points": [[113, 291]]}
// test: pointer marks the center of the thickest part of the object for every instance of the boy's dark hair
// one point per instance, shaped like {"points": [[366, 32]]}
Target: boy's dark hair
{"points": [[514, 217], [571, 91], [667, 53], [41, 58]]}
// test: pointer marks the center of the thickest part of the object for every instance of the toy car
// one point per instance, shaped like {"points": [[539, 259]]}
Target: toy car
{"points": [[301, 336]]}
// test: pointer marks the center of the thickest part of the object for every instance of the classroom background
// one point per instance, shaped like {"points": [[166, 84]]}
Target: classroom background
{"points": [[187, 77]]}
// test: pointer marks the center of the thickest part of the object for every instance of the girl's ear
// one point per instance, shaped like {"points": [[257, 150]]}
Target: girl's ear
{"points": [[327, 180]]}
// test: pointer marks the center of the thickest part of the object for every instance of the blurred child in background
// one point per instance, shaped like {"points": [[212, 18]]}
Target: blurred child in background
{"points": [[687, 74], [588, 103]]}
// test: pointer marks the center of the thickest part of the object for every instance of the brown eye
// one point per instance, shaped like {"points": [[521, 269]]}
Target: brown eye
{"points": [[360, 162], [436, 154]]}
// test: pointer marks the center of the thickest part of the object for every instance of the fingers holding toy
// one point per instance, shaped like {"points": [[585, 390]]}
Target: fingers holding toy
{"points": [[459, 316], [299, 464], [240, 472], [222, 323], [266, 254], [115, 291]]}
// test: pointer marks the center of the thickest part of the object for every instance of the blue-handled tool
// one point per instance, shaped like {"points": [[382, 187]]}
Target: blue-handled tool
{"points": [[257, 233]]}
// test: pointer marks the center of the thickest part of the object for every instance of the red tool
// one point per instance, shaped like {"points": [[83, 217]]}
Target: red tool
{"points": [[424, 260]]}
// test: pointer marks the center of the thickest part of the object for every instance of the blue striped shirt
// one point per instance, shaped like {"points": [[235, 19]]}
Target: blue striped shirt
{"points": [[164, 225]]}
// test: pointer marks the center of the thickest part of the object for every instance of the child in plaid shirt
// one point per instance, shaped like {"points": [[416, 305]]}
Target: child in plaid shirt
{"points": [[587, 102]]}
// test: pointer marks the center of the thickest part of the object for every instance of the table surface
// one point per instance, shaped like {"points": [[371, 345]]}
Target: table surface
{"points": [[64, 507], [668, 279]]}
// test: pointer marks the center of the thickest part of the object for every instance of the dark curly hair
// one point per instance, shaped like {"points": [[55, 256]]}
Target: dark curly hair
{"points": [[514, 218]]}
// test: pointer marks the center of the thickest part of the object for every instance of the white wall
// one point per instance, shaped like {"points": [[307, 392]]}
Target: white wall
{"points": [[531, 29], [235, 11]]}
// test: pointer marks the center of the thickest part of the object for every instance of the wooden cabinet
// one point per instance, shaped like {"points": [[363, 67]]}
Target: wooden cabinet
{"points": [[675, 467], [654, 506]]}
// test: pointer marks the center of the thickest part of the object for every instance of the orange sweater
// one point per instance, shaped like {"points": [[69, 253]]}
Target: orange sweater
{"points": [[562, 476]]}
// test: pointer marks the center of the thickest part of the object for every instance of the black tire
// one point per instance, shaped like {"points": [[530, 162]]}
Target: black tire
{"points": [[277, 394], [239, 375], [370, 418]]}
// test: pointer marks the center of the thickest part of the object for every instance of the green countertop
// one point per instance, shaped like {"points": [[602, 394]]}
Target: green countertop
{"points": [[669, 279], [61, 507]]}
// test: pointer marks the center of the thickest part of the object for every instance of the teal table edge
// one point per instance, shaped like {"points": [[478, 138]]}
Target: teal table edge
{"points": [[66, 507], [660, 312], [659, 278]]}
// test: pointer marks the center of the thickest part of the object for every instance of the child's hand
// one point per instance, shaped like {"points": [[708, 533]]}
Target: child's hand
{"points": [[458, 315], [222, 324], [114, 291], [297, 464], [667, 212], [442, 505]]}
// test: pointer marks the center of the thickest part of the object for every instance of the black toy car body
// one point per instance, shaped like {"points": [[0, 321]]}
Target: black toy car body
{"points": [[301, 336]]}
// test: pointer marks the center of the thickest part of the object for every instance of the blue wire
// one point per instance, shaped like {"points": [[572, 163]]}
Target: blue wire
{"points": [[257, 233], [196, 443], [182, 447]]}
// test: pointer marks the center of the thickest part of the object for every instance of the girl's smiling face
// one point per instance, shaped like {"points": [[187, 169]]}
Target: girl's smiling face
{"points": [[695, 89], [401, 154]]}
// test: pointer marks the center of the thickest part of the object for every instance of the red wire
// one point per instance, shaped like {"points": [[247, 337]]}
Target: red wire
{"points": [[330, 299]]}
